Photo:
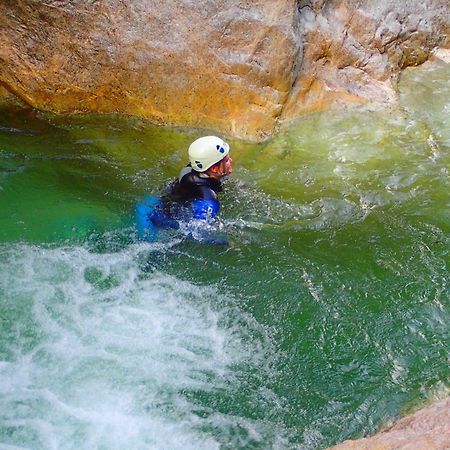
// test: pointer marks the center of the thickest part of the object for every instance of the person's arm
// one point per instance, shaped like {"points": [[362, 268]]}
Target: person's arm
{"points": [[205, 209], [203, 212]]}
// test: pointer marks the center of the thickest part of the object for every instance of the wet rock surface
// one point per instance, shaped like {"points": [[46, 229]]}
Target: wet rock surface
{"points": [[238, 67], [428, 429]]}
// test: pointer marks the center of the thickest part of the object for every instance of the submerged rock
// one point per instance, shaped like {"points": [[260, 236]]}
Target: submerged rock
{"points": [[235, 66], [428, 429]]}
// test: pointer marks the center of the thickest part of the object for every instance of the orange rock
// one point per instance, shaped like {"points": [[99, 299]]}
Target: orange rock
{"points": [[235, 66]]}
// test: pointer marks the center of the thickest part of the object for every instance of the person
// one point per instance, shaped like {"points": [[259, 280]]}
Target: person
{"points": [[194, 195]]}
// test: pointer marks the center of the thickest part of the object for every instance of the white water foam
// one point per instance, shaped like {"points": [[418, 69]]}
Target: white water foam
{"points": [[97, 353]]}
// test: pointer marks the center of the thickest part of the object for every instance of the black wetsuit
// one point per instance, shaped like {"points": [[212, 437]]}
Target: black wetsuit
{"points": [[190, 199], [192, 196]]}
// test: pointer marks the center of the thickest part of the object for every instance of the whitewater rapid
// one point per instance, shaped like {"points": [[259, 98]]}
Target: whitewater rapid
{"points": [[103, 354]]}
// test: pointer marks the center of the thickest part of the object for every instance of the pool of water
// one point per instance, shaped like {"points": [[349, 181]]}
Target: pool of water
{"points": [[325, 318]]}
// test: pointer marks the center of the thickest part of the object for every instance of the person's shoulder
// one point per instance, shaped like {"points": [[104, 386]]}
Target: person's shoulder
{"points": [[189, 176], [187, 170]]}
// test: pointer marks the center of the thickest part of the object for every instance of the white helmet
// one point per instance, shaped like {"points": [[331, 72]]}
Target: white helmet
{"points": [[207, 151]]}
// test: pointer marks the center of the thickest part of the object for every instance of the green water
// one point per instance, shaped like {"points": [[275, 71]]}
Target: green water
{"points": [[324, 319]]}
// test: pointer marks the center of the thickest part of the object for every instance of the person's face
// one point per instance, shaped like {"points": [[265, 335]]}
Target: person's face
{"points": [[222, 168], [226, 162]]}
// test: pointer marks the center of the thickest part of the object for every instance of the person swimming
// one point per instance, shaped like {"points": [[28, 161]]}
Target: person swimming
{"points": [[194, 195]]}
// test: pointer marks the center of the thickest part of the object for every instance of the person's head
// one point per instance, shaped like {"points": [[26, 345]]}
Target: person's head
{"points": [[210, 155]]}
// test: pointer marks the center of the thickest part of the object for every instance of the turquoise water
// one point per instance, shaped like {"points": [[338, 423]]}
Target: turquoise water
{"points": [[324, 319]]}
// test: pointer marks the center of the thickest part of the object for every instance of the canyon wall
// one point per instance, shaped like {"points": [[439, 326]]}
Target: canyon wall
{"points": [[239, 67]]}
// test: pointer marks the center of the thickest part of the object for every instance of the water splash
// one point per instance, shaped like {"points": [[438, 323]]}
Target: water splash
{"points": [[97, 352]]}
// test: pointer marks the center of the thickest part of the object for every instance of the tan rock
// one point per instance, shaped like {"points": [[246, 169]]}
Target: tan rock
{"points": [[239, 67], [222, 64], [427, 429]]}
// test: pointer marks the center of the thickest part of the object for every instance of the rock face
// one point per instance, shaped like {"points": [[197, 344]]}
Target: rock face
{"points": [[427, 429], [240, 67], [353, 51], [224, 64]]}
